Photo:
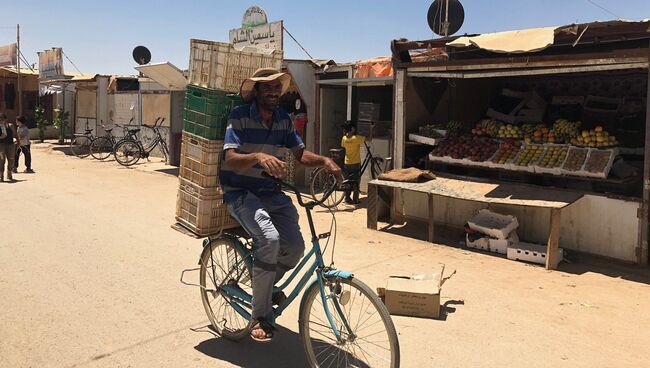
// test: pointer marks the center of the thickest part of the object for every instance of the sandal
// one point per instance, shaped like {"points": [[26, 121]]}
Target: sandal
{"points": [[261, 324]]}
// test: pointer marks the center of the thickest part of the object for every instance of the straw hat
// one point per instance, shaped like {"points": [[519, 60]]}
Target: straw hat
{"points": [[247, 89]]}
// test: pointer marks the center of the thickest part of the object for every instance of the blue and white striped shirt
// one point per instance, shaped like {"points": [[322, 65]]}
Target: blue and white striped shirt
{"points": [[247, 133]]}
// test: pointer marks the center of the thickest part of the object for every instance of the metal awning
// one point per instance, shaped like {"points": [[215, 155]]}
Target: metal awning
{"points": [[526, 71], [358, 82], [165, 74]]}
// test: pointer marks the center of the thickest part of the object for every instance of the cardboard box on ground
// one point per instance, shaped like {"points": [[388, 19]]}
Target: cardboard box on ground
{"points": [[414, 296]]}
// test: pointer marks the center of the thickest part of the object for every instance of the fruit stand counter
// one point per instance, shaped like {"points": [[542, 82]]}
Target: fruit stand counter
{"points": [[482, 192]]}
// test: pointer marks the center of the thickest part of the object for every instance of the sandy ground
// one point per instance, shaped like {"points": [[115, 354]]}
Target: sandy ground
{"points": [[89, 277]]}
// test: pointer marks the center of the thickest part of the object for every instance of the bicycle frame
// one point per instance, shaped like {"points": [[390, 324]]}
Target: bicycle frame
{"points": [[241, 301]]}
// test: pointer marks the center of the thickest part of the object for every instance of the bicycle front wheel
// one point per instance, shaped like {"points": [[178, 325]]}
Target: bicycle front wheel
{"points": [[101, 148], [223, 263], [127, 153], [80, 146], [321, 182], [368, 336]]}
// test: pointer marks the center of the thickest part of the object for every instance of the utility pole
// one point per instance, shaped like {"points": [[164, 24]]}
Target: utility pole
{"points": [[20, 83]]}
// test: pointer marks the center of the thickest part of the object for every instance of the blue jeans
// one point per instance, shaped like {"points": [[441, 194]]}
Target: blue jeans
{"points": [[271, 219]]}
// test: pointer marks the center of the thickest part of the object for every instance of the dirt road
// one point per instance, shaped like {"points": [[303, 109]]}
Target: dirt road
{"points": [[89, 277]]}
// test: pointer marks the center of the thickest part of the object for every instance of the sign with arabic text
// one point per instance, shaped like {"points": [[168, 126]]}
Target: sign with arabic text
{"points": [[266, 36], [50, 64]]}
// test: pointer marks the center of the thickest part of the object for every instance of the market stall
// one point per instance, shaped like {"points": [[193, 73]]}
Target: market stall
{"points": [[561, 108]]}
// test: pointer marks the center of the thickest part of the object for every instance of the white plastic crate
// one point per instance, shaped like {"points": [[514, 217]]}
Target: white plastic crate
{"points": [[528, 252], [493, 245], [218, 65], [493, 224]]}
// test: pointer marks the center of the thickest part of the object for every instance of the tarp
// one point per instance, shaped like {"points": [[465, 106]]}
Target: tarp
{"points": [[527, 40], [374, 68]]}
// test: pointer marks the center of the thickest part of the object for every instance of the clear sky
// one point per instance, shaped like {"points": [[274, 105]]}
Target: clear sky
{"points": [[99, 36]]}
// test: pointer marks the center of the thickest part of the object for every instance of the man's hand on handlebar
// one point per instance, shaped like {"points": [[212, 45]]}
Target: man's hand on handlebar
{"points": [[334, 169], [272, 165]]}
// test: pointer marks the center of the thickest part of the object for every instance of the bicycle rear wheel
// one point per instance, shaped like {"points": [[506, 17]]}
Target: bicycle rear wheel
{"points": [[101, 148], [321, 182], [127, 153], [80, 146], [373, 341], [223, 263]]}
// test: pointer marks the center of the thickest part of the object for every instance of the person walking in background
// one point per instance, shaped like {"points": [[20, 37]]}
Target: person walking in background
{"points": [[24, 145], [352, 142], [7, 148]]}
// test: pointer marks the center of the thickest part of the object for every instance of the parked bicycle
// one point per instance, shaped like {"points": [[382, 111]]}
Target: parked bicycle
{"points": [[321, 180], [103, 147], [130, 150], [342, 322], [80, 143]]}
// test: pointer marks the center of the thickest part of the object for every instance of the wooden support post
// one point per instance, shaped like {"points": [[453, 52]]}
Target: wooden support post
{"points": [[372, 207], [553, 240], [642, 246], [431, 219]]}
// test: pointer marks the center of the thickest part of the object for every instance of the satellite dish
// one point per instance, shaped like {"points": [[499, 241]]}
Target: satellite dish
{"points": [[141, 55], [445, 17]]}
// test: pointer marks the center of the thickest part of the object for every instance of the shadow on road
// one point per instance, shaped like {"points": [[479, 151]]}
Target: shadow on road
{"points": [[284, 351]]}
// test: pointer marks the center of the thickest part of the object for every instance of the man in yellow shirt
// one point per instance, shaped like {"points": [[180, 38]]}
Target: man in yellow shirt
{"points": [[352, 144]]}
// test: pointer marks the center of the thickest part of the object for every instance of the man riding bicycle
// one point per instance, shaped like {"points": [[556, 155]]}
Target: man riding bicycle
{"points": [[257, 136]]}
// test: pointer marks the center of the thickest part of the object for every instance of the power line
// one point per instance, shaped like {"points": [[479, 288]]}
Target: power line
{"points": [[603, 8], [23, 58], [66, 56], [296, 41]]}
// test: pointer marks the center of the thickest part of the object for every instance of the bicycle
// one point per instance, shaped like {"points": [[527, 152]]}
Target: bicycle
{"points": [[80, 143], [333, 329], [130, 149], [321, 180], [103, 147]]}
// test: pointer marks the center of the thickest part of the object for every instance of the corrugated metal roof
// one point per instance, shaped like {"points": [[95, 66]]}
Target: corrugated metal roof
{"points": [[26, 71]]}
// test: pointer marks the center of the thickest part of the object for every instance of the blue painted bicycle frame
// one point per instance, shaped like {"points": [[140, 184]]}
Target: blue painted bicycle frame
{"points": [[241, 301]]}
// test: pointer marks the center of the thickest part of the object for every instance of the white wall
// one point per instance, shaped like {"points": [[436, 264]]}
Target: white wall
{"points": [[593, 224]]}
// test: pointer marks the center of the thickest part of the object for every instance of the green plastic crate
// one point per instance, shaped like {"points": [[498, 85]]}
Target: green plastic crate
{"points": [[210, 101], [206, 111]]}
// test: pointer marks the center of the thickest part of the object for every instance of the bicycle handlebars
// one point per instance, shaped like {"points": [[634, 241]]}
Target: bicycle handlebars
{"points": [[310, 204]]}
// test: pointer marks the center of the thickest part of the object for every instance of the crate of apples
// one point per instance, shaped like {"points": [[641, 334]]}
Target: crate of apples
{"points": [[529, 156], [552, 159], [505, 154], [596, 138], [474, 149]]}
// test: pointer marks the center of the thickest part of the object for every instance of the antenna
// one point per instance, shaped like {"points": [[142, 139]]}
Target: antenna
{"points": [[141, 55], [445, 17]]}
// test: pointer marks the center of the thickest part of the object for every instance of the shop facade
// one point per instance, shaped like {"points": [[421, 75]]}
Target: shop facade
{"points": [[504, 90]]}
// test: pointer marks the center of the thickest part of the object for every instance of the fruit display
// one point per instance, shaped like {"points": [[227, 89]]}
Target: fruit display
{"points": [[565, 130], [553, 157], [528, 129], [530, 155], [541, 134], [596, 137], [489, 127], [575, 159], [599, 161], [455, 128], [475, 149], [430, 131], [506, 152], [510, 131]]}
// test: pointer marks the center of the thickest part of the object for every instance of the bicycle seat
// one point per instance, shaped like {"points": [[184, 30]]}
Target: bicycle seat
{"points": [[134, 130], [108, 130], [88, 131]]}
